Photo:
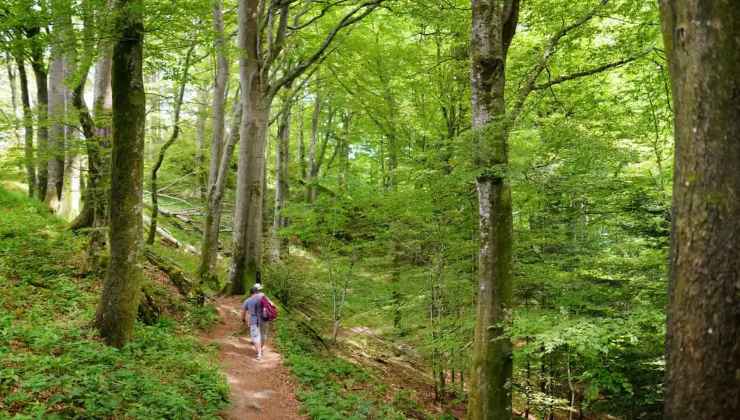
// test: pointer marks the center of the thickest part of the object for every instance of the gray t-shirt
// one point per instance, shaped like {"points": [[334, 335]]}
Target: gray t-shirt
{"points": [[253, 305]]}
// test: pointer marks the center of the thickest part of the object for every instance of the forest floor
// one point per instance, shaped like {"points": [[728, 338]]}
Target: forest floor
{"points": [[258, 389]]}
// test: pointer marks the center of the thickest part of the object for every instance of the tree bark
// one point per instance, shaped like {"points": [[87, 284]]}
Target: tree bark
{"points": [[27, 128], [118, 306], [493, 28], [702, 40]]}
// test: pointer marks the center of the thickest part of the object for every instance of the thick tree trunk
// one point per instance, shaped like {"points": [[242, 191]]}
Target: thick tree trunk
{"points": [[118, 306], [212, 225], [702, 39], [27, 128], [282, 160], [246, 257], [490, 383]]}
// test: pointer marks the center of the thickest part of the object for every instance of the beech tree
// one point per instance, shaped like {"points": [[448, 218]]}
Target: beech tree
{"points": [[493, 28], [263, 32], [118, 305], [702, 41]]}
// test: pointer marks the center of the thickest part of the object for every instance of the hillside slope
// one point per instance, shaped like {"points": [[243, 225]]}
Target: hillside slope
{"points": [[53, 364]]}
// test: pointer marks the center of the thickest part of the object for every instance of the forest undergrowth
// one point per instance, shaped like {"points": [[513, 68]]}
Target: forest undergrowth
{"points": [[52, 362]]}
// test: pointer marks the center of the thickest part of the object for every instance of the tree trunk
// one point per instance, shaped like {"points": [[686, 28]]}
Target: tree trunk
{"points": [[310, 178], [490, 386], [301, 142], [118, 306], [200, 144], [27, 128], [246, 257], [220, 152], [13, 99], [97, 142], [212, 223], [219, 92], [282, 161], [702, 40], [55, 146], [344, 152], [42, 104]]}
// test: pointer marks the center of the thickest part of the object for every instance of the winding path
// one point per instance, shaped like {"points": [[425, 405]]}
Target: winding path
{"points": [[261, 390]]}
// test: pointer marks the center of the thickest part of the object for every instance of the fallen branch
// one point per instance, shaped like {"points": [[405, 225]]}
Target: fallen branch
{"points": [[169, 239]]}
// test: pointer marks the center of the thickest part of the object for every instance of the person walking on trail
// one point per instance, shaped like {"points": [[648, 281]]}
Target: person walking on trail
{"points": [[253, 306]]}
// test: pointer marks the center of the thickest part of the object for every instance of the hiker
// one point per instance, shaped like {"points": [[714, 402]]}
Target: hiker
{"points": [[261, 311]]}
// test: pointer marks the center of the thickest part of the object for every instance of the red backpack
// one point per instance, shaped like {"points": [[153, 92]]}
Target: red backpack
{"points": [[269, 311]]}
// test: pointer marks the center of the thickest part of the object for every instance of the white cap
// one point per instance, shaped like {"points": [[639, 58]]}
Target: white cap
{"points": [[257, 286]]}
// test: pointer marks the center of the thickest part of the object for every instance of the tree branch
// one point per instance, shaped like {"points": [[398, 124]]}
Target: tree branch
{"points": [[354, 16], [591, 71]]}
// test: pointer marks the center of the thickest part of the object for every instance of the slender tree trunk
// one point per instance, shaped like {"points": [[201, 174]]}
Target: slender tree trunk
{"points": [[13, 98], [703, 336], [118, 306], [42, 103], [212, 224], [310, 179], [27, 128], [97, 142], [200, 145], [301, 142], [490, 386], [219, 91], [344, 152], [220, 152], [166, 146], [282, 160], [246, 257]]}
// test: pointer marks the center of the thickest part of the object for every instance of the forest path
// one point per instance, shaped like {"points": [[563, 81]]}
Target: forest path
{"points": [[259, 390]]}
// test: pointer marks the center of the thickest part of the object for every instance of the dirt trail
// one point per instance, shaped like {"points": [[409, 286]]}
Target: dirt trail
{"points": [[260, 390]]}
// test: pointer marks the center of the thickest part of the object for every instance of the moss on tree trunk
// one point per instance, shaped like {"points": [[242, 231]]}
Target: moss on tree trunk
{"points": [[118, 306]]}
